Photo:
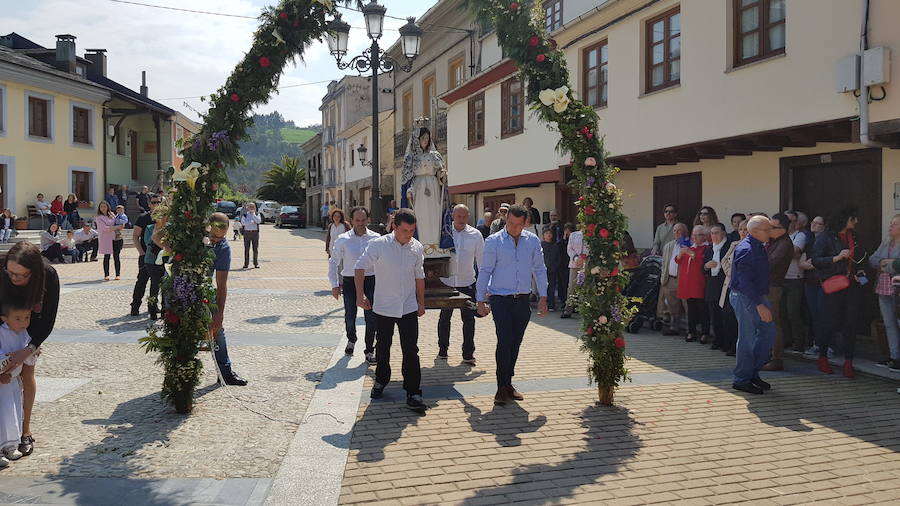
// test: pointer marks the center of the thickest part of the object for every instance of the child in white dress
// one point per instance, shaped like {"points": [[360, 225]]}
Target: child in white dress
{"points": [[13, 337]]}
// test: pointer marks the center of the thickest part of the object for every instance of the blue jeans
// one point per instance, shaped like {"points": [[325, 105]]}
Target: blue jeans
{"points": [[755, 339], [891, 327], [511, 316], [350, 310], [221, 350], [815, 304]]}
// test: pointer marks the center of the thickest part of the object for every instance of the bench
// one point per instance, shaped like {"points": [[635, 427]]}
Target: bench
{"points": [[34, 214]]}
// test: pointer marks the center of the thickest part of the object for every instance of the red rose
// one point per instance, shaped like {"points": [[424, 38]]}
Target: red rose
{"points": [[604, 233], [589, 135], [206, 301], [514, 6], [619, 342], [296, 23], [534, 40], [616, 243], [179, 257], [188, 214], [235, 97], [590, 331], [283, 15], [171, 317], [615, 271], [540, 58], [264, 62], [589, 210], [592, 228]]}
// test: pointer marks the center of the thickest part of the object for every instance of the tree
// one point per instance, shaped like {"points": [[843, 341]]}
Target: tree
{"points": [[285, 182]]}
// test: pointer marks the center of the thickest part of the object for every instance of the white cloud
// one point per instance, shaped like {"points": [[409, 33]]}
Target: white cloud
{"points": [[188, 54]]}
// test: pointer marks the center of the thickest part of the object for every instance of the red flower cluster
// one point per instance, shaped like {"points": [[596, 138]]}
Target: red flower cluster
{"points": [[264, 62], [235, 97], [591, 230], [619, 342], [540, 58], [590, 331], [179, 257], [604, 233], [589, 210], [172, 317], [585, 131], [514, 6], [283, 15], [534, 41]]}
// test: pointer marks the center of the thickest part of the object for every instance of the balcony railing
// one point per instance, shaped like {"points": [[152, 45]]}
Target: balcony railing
{"points": [[400, 140], [328, 136], [328, 178]]}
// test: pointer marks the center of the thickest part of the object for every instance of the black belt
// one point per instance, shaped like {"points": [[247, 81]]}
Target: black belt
{"points": [[354, 277], [516, 296]]}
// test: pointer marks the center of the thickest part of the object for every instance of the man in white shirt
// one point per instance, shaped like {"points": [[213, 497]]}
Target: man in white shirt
{"points": [[398, 260], [348, 247], [468, 245], [669, 301], [86, 240]]}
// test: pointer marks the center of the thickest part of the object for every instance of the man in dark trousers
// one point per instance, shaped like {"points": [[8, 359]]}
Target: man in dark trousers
{"points": [[511, 258], [468, 247], [749, 289], [398, 260], [137, 237]]}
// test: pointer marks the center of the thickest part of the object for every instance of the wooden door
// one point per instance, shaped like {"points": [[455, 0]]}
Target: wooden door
{"points": [[133, 139], [492, 204], [685, 191]]}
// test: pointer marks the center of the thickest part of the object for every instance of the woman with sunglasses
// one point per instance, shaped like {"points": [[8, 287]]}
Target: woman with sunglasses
{"points": [[28, 277], [706, 216], [836, 258]]}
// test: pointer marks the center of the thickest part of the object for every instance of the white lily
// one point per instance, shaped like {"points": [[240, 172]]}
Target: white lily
{"points": [[277, 35], [558, 98], [188, 175]]}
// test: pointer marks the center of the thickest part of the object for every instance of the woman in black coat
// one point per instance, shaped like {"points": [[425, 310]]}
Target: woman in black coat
{"points": [[28, 278], [715, 282], [836, 254]]}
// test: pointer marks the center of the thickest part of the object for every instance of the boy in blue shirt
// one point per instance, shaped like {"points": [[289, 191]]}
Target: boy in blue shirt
{"points": [[218, 229]]}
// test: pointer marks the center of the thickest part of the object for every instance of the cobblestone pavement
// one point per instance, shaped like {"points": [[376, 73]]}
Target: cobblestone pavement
{"points": [[104, 417], [678, 433]]}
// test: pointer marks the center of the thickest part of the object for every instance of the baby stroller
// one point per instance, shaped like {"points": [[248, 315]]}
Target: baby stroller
{"points": [[644, 284]]}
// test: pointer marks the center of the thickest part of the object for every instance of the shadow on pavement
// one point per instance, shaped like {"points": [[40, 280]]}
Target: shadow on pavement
{"points": [[330, 382], [134, 424], [124, 323], [609, 443]]}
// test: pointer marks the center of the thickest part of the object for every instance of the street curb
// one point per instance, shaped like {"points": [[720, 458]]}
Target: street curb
{"points": [[313, 469]]}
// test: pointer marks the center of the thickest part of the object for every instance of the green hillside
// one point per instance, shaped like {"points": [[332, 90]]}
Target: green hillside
{"points": [[296, 135]]}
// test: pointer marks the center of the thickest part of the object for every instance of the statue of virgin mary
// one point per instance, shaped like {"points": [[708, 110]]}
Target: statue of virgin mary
{"points": [[424, 190]]}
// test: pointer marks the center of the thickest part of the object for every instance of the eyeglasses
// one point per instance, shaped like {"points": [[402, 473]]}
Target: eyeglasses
{"points": [[16, 275], [218, 225]]}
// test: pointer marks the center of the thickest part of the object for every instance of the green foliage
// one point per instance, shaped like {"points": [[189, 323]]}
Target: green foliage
{"points": [[285, 32], [226, 192], [296, 136], [602, 306], [268, 139], [285, 182]]}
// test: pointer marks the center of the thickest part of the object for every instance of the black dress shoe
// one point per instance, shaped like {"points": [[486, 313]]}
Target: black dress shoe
{"points": [[415, 403], [762, 385], [245, 266], [26, 445], [750, 388], [715, 347], [235, 380], [377, 391], [135, 310]]}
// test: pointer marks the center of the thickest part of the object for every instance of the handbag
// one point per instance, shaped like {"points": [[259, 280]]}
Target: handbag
{"points": [[836, 283]]}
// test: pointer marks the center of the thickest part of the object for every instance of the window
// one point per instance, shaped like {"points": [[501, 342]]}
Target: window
{"points": [[512, 109], [476, 121], [408, 110], [553, 10], [120, 142], [2, 110], [758, 30], [664, 51], [456, 72], [428, 93], [179, 132], [81, 185], [38, 117], [81, 127], [594, 77]]}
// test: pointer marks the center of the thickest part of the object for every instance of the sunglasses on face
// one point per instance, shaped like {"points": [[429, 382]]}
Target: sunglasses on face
{"points": [[217, 225]]}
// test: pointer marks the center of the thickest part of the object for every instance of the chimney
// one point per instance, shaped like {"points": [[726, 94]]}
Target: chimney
{"points": [[6, 41], [97, 57], [65, 52], [144, 83]]}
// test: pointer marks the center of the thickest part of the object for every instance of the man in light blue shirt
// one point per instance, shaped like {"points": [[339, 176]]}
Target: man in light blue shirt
{"points": [[511, 257]]}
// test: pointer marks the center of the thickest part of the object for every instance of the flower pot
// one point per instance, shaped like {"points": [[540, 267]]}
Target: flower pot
{"points": [[21, 224], [606, 395]]}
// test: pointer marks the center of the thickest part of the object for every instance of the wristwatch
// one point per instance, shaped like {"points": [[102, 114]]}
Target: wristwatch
{"points": [[32, 347]]}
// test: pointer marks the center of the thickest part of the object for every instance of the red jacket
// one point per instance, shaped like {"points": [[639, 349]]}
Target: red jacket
{"points": [[56, 207], [691, 282]]}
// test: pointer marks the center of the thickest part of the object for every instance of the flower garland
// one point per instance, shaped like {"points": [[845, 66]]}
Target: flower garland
{"points": [[604, 309], [285, 32]]}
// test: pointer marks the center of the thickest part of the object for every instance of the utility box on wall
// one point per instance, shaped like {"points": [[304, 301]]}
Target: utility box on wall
{"points": [[876, 66], [847, 74]]}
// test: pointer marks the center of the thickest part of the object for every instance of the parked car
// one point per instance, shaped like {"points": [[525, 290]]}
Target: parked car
{"points": [[290, 215], [268, 209], [227, 208]]}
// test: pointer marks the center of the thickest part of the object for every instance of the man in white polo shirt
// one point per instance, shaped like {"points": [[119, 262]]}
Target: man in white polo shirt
{"points": [[347, 249], [398, 260], [468, 248]]}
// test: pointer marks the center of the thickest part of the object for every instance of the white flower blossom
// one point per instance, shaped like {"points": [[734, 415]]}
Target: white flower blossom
{"points": [[558, 98]]}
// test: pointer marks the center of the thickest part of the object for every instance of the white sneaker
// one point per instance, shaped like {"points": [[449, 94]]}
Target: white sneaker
{"points": [[12, 453]]}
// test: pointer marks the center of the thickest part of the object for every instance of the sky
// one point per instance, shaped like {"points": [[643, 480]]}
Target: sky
{"points": [[187, 55]]}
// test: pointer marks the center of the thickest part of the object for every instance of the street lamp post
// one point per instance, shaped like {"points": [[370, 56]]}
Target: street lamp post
{"points": [[374, 59]]}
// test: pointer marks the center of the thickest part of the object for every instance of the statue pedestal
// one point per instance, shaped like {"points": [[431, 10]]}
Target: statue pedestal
{"points": [[437, 294]]}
